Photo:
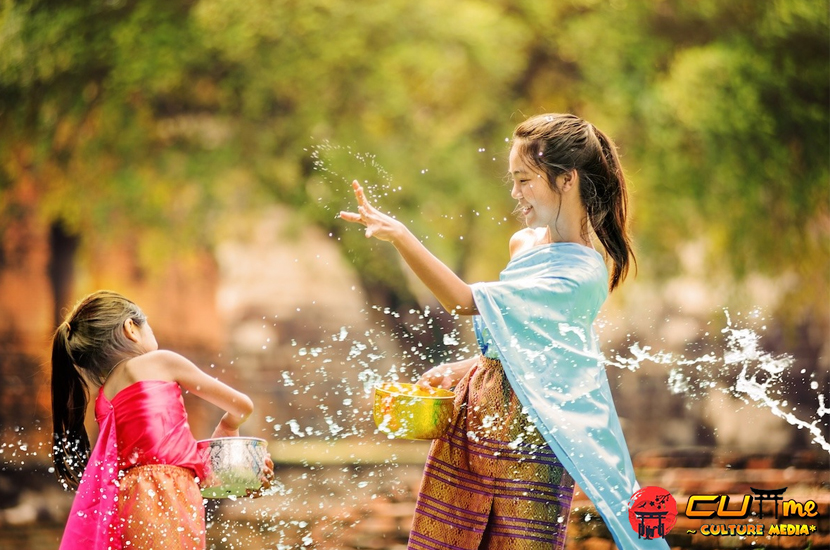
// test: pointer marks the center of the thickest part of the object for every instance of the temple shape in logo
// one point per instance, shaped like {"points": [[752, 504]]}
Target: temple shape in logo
{"points": [[649, 531], [768, 494]]}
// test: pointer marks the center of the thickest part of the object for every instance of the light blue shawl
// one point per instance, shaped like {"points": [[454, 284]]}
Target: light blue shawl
{"points": [[540, 317]]}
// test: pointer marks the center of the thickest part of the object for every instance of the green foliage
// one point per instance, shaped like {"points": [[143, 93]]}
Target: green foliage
{"points": [[723, 113], [176, 117]]}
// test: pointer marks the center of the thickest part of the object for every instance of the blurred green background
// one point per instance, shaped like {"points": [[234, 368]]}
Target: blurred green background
{"points": [[168, 119], [139, 138]]}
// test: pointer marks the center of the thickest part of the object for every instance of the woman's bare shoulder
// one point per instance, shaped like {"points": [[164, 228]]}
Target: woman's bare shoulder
{"points": [[526, 238]]}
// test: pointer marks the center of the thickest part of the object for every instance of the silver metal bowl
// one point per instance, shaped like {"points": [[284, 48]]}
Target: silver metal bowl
{"points": [[232, 465]]}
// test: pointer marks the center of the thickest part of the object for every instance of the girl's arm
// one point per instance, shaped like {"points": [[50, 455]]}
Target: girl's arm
{"points": [[237, 405], [453, 293]]}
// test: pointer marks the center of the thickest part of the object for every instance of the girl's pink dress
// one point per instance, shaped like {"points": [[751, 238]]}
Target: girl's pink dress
{"points": [[140, 487]]}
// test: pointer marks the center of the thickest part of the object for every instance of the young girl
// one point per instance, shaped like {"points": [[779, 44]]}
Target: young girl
{"points": [[138, 488], [534, 412]]}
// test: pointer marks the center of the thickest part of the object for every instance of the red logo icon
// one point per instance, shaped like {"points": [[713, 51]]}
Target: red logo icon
{"points": [[652, 512]]}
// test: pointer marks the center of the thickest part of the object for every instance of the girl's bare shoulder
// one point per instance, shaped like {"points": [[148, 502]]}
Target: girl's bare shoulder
{"points": [[147, 366], [155, 365]]}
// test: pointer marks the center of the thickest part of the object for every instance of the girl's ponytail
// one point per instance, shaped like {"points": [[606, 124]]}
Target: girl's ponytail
{"points": [[91, 339], [70, 445], [608, 212]]}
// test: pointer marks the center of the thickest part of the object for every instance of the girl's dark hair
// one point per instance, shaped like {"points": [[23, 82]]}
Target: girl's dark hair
{"points": [[91, 340], [559, 143]]}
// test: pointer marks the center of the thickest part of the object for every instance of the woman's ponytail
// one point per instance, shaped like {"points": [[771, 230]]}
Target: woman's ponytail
{"points": [[608, 211], [70, 444], [558, 143]]}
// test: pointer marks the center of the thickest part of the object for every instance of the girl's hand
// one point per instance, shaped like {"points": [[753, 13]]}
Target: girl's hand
{"points": [[224, 430], [266, 479], [378, 224]]}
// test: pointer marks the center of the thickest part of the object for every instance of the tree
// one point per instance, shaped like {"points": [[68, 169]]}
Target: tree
{"points": [[177, 117], [724, 112]]}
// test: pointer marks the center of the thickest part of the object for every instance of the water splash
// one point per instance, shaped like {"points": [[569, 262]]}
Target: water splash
{"points": [[336, 166], [743, 370], [334, 376]]}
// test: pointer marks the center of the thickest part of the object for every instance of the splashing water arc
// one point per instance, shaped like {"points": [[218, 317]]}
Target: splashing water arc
{"points": [[754, 376]]}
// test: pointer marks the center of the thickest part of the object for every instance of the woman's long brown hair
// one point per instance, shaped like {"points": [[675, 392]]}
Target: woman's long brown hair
{"points": [[559, 143]]}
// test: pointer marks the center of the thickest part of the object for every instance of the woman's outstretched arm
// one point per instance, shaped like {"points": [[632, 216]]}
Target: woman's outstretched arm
{"points": [[453, 293]]}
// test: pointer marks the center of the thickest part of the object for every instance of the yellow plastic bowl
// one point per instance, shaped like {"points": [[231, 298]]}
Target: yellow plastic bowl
{"points": [[409, 411]]}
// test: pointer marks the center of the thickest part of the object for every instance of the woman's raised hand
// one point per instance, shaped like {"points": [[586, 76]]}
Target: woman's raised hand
{"points": [[378, 224], [453, 293]]}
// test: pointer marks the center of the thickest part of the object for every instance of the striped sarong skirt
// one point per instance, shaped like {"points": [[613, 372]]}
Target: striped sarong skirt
{"points": [[491, 482]]}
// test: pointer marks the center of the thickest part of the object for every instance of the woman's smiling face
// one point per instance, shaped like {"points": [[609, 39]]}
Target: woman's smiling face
{"points": [[538, 202]]}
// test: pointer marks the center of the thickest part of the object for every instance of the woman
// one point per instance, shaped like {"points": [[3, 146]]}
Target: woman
{"points": [[534, 412]]}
